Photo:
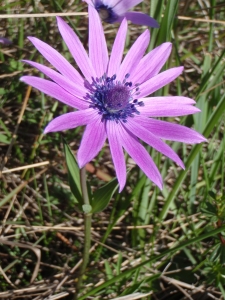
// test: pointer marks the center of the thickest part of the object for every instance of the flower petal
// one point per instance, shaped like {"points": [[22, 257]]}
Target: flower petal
{"points": [[54, 90], [71, 120], [5, 41], [117, 49], [140, 156], [121, 7], [57, 60], [76, 49], [151, 63], [70, 86], [141, 19], [173, 132], [117, 153], [172, 99], [134, 55], [135, 126], [98, 52], [158, 81], [92, 141], [109, 3], [167, 106]]}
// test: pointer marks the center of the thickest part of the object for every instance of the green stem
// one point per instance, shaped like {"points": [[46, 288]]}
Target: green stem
{"points": [[87, 231], [83, 184]]}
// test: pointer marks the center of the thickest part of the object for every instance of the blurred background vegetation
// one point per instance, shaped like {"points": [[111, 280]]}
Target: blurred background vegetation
{"points": [[148, 244]]}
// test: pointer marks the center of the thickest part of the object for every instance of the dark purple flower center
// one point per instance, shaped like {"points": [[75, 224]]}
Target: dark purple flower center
{"points": [[116, 98], [106, 13], [113, 99]]}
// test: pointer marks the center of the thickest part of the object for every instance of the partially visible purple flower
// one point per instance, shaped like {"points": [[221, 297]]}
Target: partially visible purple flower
{"points": [[5, 41], [112, 11], [110, 98]]}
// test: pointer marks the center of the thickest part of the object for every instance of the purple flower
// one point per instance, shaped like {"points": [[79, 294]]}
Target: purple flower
{"points": [[112, 11], [5, 41], [110, 98]]}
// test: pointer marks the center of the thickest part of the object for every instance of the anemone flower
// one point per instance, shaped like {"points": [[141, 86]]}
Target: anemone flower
{"points": [[109, 97], [5, 41], [112, 11]]}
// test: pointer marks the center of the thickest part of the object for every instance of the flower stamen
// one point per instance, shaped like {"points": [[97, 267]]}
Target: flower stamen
{"points": [[114, 100]]}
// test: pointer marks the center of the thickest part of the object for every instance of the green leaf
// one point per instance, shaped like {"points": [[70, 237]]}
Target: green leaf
{"points": [[167, 22], [215, 253], [108, 269], [209, 209], [4, 139], [119, 263], [102, 196], [73, 174], [212, 195], [2, 91]]}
